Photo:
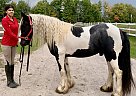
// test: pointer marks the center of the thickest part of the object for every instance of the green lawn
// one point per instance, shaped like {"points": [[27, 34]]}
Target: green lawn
{"points": [[132, 46]]}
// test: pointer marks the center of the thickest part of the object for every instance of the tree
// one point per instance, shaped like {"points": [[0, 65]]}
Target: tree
{"points": [[131, 13], [68, 12], [107, 12], [95, 13], [42, 7], [123, 12], [22, 6], [86, 11], [56, 6], [2, 5]]}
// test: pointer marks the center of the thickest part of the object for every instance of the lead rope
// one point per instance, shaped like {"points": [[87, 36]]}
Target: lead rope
{"points": [[21, 59], [30, 45]]}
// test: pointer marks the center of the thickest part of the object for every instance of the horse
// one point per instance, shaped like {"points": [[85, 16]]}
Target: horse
{"points": [[66, 40]]}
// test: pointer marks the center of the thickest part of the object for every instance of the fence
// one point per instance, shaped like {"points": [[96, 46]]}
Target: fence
{"points": [[1, 31], [131, 31], [127, 27]]}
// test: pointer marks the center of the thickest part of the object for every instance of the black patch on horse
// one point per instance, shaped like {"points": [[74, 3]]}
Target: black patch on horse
{"points": [[81, 53], [76, 31], [102, 43], [54, 51]]}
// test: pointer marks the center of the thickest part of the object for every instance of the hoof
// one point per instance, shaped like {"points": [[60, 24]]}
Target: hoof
{"points": [[109, 89], [13, 84], [64, 89], [61, 90]]}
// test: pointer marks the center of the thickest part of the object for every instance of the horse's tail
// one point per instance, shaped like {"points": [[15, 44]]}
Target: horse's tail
{"points": [[125, 64]]}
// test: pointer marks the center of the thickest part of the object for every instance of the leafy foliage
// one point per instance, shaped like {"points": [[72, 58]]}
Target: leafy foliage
{"points": [[41, 7], [2, 4], [22, 6], [124, 12], [55, 6], [68, 11]]}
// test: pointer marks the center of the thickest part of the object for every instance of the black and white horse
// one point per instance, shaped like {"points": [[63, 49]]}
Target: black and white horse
{"points": [[66, 40]]}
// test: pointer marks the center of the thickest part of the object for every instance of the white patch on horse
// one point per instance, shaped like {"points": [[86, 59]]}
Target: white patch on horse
{"points": [[114, 32], [81, 42]]}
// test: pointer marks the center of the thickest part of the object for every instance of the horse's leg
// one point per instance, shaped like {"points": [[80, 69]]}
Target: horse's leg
{"points": [[108, 86], [64, 86], [117, 90], [70, 80]]}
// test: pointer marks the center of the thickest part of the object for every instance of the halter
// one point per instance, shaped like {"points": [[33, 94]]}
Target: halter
{"points": [[22, 50], [27, 37]]}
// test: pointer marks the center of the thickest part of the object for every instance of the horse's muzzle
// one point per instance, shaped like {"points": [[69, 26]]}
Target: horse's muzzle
{"points": [[24, 42]]}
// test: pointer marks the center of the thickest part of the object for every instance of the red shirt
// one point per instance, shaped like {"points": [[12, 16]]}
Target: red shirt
{"points": [[10, 37]]}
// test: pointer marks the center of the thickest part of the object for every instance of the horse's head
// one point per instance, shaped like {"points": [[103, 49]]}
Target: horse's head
{"points": [[26, 29]]}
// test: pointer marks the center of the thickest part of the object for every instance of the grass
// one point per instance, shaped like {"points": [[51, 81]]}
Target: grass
{"points": [[132, 46]]}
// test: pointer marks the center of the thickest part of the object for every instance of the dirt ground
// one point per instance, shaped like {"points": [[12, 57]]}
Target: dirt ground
{"points": [[43, 76]]}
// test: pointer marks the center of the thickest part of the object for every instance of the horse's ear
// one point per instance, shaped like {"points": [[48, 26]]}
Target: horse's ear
{"points": [[23, 15]]}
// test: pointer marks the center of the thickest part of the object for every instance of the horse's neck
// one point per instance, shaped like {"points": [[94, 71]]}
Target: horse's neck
{"points": [[39, 32], [50, 29]]}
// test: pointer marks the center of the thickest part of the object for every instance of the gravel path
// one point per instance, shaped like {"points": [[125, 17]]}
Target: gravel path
{"points": [[43, 76]]}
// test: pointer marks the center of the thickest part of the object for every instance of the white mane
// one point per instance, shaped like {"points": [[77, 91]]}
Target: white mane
{"points": [[48, 29]]}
